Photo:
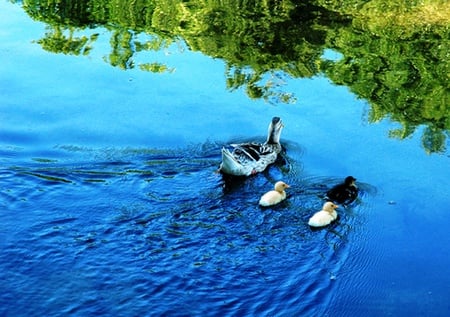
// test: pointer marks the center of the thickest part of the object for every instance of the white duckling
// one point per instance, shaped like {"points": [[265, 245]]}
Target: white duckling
{"points": [[325, 216], [250, 158], [275, 196]]}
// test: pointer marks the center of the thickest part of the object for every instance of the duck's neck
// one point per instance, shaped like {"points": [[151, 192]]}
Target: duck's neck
{"points": [[273, 137]]}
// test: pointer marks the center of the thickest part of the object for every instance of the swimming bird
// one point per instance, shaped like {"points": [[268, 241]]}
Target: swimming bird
{"points": [[250, 158], [275, 196], [344, 193], [325, 216]]}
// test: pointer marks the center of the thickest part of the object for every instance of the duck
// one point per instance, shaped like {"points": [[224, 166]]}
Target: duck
{"points": [[275, 196], [251, 158], [344, 193], [324, 217]]}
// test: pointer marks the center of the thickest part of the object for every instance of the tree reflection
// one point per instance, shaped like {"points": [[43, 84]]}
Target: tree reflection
{"points": [[395, 53], [57, 41], [401, 68]]}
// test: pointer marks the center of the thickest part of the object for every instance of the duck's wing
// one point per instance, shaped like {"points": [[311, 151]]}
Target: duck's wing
{"points": [[351, 194], [253, 151], [336, 193]]}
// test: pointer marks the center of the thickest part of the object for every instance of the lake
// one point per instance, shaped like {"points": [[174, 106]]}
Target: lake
{"points": [[111, 203]]}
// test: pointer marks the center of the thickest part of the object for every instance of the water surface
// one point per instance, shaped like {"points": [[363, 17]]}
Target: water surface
{"points": [[111, 203]]}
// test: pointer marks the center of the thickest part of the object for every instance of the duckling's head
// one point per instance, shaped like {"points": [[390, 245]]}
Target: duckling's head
{"points": [[350, 181], [329, 206], [274, 132], [281, 186]]}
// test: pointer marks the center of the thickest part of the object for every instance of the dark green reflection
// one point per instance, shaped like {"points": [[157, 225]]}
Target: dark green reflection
{"points": [[397, 58], [395, 52]]}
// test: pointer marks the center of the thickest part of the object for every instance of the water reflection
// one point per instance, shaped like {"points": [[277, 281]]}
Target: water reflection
{"points": [[399, 65]]}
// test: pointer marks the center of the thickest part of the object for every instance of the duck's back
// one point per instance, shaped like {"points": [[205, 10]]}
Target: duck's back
{"points": [[272, 198], [342, 194], [320, 219]]}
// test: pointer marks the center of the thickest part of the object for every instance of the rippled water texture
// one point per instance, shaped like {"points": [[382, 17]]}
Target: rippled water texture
{"points": [[111, 203], [154, 231]]}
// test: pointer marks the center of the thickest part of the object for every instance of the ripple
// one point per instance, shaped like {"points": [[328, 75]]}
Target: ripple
{"points": [[170, 225], [48, 176]]}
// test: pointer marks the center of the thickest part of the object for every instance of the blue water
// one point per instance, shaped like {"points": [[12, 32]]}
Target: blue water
{"points": [[111, 204]]}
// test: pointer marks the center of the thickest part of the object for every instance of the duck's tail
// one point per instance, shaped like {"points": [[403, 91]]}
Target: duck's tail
{"points": [[229, 164]]}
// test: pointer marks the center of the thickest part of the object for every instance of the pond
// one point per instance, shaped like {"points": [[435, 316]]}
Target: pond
{"points": [[111, 203]]}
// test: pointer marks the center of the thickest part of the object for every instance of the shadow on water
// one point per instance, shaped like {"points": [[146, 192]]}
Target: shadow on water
{"points": [[176, 228]]}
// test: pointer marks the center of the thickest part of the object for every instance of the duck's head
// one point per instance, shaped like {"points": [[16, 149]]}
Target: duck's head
{"points": [[281, 186], [274, 132], [329, 206], [350, 181]]}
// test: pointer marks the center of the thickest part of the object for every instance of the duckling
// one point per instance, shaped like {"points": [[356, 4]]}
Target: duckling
{"points": [[275, 196], [325, 216], [250, 158], [344, 193]]}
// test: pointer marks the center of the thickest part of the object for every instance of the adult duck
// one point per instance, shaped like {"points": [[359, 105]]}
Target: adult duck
{"points": [[344, 193], [274, 196], [250, 158], [324, 217]]}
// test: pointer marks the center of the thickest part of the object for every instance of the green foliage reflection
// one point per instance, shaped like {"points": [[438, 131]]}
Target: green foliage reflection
{"points": [[395, 52], [57, 41], [402, 68]]}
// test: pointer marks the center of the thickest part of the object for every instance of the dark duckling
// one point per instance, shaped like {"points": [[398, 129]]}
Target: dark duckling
{"points": [[344, 193]]}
